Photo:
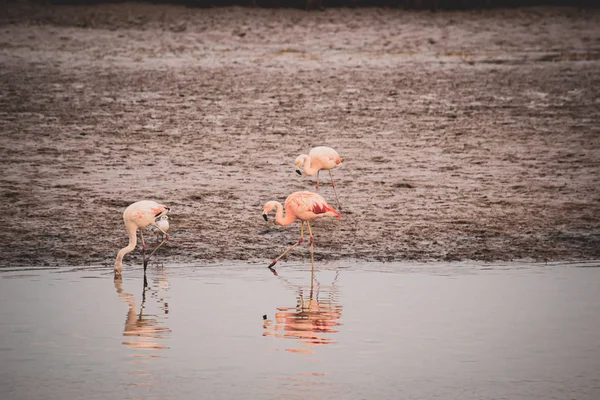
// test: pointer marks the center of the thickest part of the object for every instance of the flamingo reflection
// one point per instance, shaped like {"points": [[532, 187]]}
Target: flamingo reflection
{"points": [[143, 330], [314, 318]]}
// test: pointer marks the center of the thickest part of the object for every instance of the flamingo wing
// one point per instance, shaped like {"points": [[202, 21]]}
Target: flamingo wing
{"points": [[328, 157], [318, 205], [158, 211], [321, 208]]}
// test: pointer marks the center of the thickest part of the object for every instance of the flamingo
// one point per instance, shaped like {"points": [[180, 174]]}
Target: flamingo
{"points": [[304, 206], [138, 216], [319, 158]]}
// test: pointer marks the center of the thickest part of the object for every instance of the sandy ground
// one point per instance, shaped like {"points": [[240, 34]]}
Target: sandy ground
{"points": [[465, 135]]}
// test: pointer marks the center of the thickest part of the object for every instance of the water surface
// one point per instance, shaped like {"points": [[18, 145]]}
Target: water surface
{"points": [[353, 331]]}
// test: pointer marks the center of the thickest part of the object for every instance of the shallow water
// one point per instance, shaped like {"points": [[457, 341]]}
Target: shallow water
{"points": [[360, 331]]}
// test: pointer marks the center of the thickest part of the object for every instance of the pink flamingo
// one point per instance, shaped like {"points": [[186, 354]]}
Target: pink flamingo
{"points": [[304, 206], [138, 216], [319, 158]]}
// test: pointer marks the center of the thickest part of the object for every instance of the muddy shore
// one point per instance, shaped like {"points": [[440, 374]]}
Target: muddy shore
{"points": [[468, 135]]}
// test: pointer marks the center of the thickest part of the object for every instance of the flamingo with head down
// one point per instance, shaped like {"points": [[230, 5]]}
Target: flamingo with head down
{"points": [[304, 206], [319, 158], [138, 216]]}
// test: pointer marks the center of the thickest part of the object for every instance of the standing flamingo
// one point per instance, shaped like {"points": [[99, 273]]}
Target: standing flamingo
{"points": [[138, 216], [321, 157], [303, 206]]}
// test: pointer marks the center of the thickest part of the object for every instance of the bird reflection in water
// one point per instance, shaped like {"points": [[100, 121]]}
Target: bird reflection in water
{"points": [[144, 331], [314, 318]]}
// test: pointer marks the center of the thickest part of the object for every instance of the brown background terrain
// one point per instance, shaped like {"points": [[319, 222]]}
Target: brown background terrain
{"points": [[465, 135]]}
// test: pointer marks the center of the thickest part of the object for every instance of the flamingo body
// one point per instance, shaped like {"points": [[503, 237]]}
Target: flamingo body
{"points": [[304, 206], [319, 158], [136, 216]]}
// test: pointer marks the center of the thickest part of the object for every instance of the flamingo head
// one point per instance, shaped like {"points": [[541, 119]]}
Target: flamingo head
{"points": [[269, 206], [299, 163]]}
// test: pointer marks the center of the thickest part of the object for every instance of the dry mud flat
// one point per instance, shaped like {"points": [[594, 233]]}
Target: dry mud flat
{"points": [[465, 135]]}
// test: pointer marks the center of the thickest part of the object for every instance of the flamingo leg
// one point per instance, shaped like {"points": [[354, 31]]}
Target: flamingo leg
{"points": [[151, 254], [335, 191], [317, 185], [164, 234], [312, 246], [294, 245], [157, 247], [166, 238], [143, 243], [143, 250]]}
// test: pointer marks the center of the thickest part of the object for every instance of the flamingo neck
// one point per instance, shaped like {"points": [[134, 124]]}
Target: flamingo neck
{"points": [[309, 170], [289, 217], [129, 248]]}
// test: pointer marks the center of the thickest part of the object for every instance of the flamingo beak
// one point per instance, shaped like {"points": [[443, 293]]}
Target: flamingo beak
{"points": [[298, 172], [265, 217]]}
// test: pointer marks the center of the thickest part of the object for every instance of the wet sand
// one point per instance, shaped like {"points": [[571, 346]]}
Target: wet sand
{"points": [[465, 135]]}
